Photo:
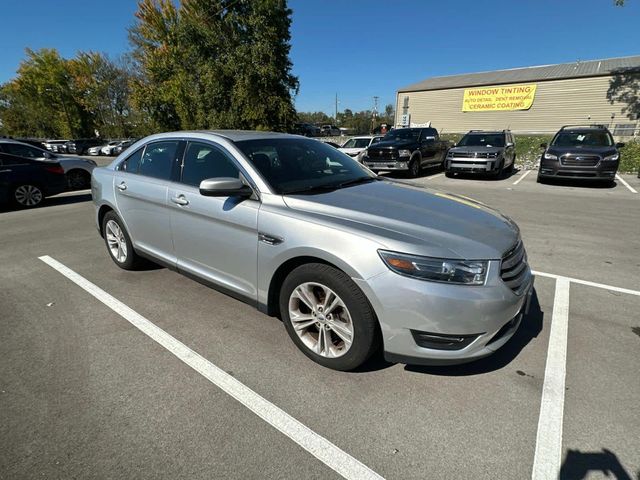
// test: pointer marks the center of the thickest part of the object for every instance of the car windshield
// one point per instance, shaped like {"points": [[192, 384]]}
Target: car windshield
{"points": [[476, 140], [296, 165], [357, 143], [579, 139], [403, 134]]}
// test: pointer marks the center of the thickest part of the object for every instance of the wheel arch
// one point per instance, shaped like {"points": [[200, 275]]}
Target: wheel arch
{"points": [[102, 211]]}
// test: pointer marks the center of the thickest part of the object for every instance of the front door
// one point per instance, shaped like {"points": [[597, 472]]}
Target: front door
{"points": [[215, 238], [141, 191]]}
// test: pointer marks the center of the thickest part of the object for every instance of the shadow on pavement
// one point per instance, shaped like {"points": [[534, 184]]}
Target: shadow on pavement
{"points": [[51, 202], [581, 183], [578, 465], [484, 176], [530, 327]]}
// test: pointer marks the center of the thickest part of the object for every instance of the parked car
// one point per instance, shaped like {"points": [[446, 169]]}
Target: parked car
{"points": [[356, 146], [95, 150], [108, 149], [408, 150], [306, 129], [31, 141], [80, 146], [56, 146], [77, 170], [122, 146], [26, 182], [350, 261], [330, 131], [479, 151], [580, 152]]}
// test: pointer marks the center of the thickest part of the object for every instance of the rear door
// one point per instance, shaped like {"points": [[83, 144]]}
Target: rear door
{"points": [[215, 238], [141, 187], [429, 147]]}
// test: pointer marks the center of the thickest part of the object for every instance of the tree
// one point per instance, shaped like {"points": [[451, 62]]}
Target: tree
{"points": [[214, 65], [41, 100], [624, 87]]}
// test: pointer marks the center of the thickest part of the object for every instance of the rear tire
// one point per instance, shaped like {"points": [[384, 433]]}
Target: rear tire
{"points": [[118, 243], [343, 341], [27, 196]]}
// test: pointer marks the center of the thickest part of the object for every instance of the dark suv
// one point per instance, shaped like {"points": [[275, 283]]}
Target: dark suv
{"points": [[576, 151], [482, 151]]}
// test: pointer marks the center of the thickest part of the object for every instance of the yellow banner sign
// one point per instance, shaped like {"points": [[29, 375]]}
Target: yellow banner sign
{"points": [[504, 97]]}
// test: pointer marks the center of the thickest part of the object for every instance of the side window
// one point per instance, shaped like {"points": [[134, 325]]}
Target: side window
{"points": [[157, 159], [376, 140], [132, 163], [22, 150], [202, 161]]}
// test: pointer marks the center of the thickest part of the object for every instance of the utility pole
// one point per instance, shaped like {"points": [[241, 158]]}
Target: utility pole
{"points": [[336, 117], [375, 113]]}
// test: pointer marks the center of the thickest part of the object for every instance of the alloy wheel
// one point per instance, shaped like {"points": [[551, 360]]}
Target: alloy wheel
{"points": [[28, 195], [321, 320], [115, 241]]}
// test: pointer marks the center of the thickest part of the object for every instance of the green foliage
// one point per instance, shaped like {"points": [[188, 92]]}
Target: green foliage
{"points": [[214, 65], [630, 157], [52, 97]]}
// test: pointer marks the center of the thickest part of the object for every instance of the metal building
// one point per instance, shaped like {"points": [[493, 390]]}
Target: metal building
{"points": [[528, 100]]}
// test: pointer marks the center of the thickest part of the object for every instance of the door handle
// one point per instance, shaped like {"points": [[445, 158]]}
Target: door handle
{"points": [[180, 200], [122, 187]]}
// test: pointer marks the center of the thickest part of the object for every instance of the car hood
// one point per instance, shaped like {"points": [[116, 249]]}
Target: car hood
{"points": [[351, 151], [412, 219], [582, 150], [477, 149]]}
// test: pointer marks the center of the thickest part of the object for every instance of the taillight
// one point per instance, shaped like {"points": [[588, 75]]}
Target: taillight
{"points": [[55, 169]]}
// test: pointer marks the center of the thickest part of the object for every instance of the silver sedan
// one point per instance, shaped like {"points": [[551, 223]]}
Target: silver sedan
{"points": [[351, 262]]}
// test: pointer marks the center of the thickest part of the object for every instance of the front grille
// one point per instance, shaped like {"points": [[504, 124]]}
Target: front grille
{"points": [[474, 154], [579, 160], [513, 270], [382, 155]]}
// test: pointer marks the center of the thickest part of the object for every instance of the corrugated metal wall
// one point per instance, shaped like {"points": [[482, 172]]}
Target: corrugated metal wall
{"points": [[557, 103]]}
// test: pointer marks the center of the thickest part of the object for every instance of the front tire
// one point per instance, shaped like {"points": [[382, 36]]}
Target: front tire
{"points": [[328, 317], [414, 168], [119, 243]]}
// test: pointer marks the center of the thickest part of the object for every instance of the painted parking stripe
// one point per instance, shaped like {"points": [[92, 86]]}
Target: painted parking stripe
{"points": [[590, 284], [522, 177], [548, 455], [434, 176], [318, 446], [623, 181]]}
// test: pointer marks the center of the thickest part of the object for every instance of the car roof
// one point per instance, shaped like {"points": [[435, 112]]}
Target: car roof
{"points": [[11, 140], [484, 132], [232, 135]]}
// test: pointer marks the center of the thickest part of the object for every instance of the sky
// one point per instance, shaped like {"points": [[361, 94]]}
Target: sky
{"points": [[359, 49]]}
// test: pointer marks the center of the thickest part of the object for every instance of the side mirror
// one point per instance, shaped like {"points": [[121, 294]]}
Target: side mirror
{"points": [[454, 145], [224, 187], [619, 144], [543, 145], [510, 144]]}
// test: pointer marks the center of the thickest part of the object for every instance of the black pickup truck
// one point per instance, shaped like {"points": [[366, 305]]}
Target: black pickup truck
{"points": [[407, 149]]}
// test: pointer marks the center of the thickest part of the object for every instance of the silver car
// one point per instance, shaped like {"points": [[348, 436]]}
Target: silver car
{"points": [[351, 262]]}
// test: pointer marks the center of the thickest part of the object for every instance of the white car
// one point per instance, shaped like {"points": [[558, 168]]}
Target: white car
{"points": [[356, 146], [108, 148]]}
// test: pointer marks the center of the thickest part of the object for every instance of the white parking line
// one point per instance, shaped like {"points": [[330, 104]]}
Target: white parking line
{"points": [[622, 180], [321, 448], [434, 176], [590, 284], [548, 454], [522, 177]]}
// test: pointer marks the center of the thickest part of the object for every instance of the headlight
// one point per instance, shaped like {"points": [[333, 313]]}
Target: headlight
{"points": [[404, 153], [550, 156], [612, 158], [461, 272]]}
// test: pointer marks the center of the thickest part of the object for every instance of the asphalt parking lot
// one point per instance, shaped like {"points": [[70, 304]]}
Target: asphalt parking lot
{"points": [[89, 390]]}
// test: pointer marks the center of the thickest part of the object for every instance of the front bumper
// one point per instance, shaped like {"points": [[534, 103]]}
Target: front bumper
{"points": [[473, 165], [490, 314], [401, 163], [553, 168]]}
